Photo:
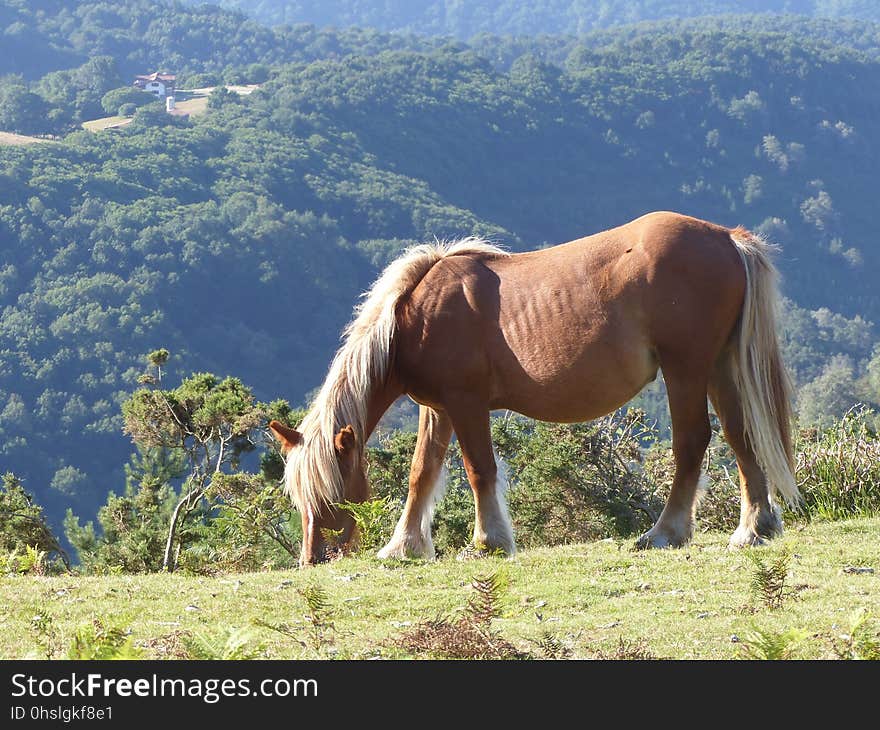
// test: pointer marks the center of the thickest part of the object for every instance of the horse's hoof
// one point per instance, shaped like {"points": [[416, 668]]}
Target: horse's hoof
{"points": [[745, 538], [402, 551], [390, 552], [758, 529], [647, 542], [657, 540]]}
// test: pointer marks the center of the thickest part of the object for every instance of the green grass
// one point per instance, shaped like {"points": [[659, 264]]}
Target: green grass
{"points": [[681, 604]]}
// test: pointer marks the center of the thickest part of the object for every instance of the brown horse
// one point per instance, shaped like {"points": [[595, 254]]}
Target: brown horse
{"points": [[564, 334]]}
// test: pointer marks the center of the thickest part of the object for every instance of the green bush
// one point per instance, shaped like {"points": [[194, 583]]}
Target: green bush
{"points": [[454, 516], [718, 506], [577, 482], [132, 528], [568, 482], [25, 536], [221, 517], [126, 95], [252, 527], [389, 465], [243, 522], [838, 468], [374, 519], [389, 479], [32, 560]]}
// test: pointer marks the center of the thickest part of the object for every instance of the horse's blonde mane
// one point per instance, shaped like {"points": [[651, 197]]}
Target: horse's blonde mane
{"points": [[312, 477]]}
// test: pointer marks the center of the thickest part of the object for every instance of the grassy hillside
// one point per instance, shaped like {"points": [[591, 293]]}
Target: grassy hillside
{"points": [[585, 600]]}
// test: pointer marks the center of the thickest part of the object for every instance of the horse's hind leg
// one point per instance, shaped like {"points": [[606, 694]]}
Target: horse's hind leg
{"points": [[492, 527], [690, 437], [412, 536], [759, 518]]}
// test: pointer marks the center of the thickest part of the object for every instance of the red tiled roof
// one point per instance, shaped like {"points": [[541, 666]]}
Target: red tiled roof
{"points": [[157, 77]]}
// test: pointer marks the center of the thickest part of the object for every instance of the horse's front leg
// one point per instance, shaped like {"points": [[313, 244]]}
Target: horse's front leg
{"points": [[492, 527], [412, 536]]}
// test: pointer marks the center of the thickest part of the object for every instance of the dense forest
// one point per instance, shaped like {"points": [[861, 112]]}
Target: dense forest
{"points": [[240, 239], [43, 36], [467, 18]]}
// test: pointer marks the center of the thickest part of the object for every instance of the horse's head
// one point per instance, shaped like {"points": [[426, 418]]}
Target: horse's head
{"points": [[320, 517]]}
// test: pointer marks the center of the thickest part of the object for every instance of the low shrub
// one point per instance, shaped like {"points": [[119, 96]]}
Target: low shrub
{"points": [[26, 539], [838, 468]]}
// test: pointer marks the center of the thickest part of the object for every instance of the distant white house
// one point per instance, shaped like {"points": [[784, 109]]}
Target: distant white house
{"points": [[162, 85]]}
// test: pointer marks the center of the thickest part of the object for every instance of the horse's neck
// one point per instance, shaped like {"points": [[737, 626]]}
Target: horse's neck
{"points": [[380, 401]]}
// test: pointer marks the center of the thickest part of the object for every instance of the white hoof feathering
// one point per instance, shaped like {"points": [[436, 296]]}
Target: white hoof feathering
{"points": [[664, 534], [745, 537], [493, 528], [412, 536]]}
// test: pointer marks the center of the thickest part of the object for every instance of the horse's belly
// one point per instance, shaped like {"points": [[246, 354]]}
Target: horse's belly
{"points": [[567, 381], [571, 405]]}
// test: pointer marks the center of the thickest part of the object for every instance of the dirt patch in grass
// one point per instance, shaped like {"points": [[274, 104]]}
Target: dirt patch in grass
{"points": [[169, 646]]}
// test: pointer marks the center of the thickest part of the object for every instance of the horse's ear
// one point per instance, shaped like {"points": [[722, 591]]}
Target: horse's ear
{"points": [[287, 437], [344, 440]]}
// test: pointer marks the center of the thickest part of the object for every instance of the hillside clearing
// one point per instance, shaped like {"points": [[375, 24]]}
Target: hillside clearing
{"points": [[192, 106], [682, 604], [9, 138], [99, 125], [241, 89], [190, 102], [194, 102]]}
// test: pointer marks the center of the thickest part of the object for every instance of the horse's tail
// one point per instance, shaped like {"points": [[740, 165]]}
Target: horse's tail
{"points": [[760, 376]]}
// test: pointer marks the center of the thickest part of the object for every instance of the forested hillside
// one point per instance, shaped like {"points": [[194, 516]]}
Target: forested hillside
{"points": [[468, 18], [240, 239], [40, 36]]}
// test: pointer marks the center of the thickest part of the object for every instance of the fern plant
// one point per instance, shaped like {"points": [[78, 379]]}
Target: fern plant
{"points": [[862, 641], [765, 644], [227, 643], [484, 603], [32, 560], [374, 521], [551, 646], [98, 640], [46, 635], [318, 617], [320, 635], [627, 650], [468, 636], [768, 580]]}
